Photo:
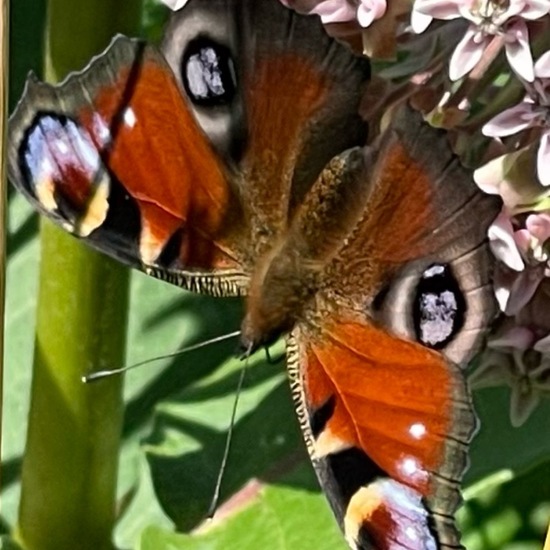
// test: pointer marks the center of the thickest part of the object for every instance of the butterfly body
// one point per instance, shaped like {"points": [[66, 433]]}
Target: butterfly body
{"points": [[235, 164]]}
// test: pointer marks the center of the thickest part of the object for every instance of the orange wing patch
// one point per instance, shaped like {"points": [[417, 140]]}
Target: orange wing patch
{"points": [[156, 149], [400, 211], [279, 109], [394, 399]]}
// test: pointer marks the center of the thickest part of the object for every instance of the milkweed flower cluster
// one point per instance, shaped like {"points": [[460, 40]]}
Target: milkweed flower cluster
{"points": [[488, 19], [480, 69]]}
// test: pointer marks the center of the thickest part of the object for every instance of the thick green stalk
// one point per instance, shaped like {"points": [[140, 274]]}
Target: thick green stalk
{"points": [[70, 463]]}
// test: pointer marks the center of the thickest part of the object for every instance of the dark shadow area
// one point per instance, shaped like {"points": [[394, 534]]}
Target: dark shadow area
{"points": [[11, 471], [211, 317], [267, 445], [26, 232]]}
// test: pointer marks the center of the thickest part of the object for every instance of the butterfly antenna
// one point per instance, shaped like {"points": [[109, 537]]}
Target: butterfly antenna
{"points": [[216, 496], [98, 375]]}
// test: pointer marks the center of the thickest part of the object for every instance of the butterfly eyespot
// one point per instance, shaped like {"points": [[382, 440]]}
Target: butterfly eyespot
{"points": [[438, 307], [60, 162], [208, 73]]}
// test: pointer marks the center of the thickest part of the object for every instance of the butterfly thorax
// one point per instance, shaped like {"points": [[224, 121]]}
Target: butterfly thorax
{"points": [[287, 277], [280, 288]]}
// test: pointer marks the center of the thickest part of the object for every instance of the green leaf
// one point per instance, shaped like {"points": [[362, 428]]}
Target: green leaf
{"points": [[282, 516]]}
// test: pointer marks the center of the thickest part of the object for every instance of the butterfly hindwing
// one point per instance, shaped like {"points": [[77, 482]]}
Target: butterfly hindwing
{"points": [[424, 221], [388, 424]]}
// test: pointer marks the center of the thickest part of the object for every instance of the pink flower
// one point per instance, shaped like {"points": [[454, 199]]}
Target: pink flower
{"points": [[419, 21], [523, 251], [518, 355], [370, 10], [488, 18], [532, 112], [341, 11], [513, 177]]}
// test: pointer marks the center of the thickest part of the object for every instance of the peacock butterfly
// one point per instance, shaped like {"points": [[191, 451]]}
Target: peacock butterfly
{"points": [[234, 163]]}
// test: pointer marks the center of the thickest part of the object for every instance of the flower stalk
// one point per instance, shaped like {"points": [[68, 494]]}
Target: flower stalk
{"points": [[70, 463]]}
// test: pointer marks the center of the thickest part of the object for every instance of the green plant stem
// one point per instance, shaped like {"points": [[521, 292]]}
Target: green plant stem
{"points": [[70, 463]]}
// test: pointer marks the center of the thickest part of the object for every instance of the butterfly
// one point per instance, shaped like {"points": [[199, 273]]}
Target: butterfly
{"points": [[233, 161]]}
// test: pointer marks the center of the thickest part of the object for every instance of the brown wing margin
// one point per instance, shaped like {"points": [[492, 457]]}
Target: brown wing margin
{"points": [[387, 423], [114, 156]]}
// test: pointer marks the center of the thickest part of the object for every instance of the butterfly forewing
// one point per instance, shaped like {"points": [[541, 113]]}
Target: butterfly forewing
{"points": [[295, 102], [115, 156], [189, 168]]}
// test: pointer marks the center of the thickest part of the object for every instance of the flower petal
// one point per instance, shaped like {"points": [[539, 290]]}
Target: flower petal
{"points": [[543, 159], [490, 176], [420, 21], [523, 240], [543, 345], [370, 10], [511, 121], [493, 370], [535, 9], [502, 294], [542, 66], [513, 176], [438, 9], [335, 11], [503, 245], [539, 226], [540, 376], [467, 54], [521, 338], [518, 50]]}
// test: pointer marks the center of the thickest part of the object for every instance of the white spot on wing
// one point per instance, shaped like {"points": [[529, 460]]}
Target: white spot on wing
{"points": [[101, 130], [62, 147], [417, 430], [411, 470], [411, 533], [433, 271], [130, 117]]}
